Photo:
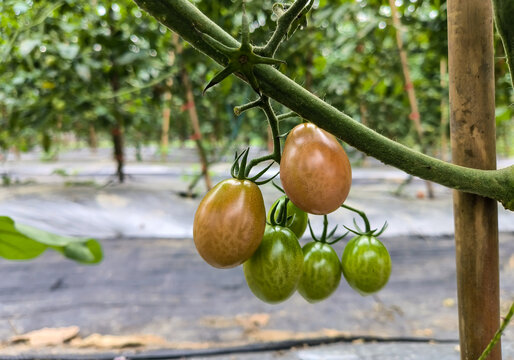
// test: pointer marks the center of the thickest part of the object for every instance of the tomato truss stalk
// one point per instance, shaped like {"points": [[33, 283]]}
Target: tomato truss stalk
{"points": [[324, 236], [367, 227], [241, 171]]}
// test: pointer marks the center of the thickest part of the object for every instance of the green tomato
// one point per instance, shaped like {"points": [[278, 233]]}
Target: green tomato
{"points": [[366, 264], [273, 271], [321, 272], [298, 218]]}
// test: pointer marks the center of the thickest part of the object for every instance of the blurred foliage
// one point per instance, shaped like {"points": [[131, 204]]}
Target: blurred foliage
{"points": [[23, 242], [59, 60]]}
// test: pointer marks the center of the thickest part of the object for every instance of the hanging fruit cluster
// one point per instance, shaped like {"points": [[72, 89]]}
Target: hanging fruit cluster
{"points": [[231, 226]]}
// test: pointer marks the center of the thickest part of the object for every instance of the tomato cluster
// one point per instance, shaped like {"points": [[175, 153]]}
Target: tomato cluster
{"points": [[231, 226]]}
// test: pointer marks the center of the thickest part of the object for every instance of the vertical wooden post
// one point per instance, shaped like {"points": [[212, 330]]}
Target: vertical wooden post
{"points": [[472, 122]]}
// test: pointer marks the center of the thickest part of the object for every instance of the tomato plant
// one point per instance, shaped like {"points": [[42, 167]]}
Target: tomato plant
{"points": [[273, 272], [296, 218], [315, 171], [321, 272]]}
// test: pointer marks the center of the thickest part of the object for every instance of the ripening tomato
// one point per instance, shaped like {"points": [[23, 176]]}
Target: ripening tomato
{"points": [[298, 218], [229, 223], [273, 271], [315, 171], [366, 264], [321, 272]]}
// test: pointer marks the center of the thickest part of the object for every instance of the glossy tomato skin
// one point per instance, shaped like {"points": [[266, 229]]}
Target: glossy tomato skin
{"points": [[272, 273], [321, 272], [298, 218], [315, 171], [366, 264], [229, 223]]}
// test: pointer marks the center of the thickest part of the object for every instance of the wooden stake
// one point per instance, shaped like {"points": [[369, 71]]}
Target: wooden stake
{"points": [[472, 123]]}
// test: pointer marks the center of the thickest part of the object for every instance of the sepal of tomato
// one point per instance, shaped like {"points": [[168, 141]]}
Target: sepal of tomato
{"points": [[273, 271], [366, 264], [314, 170], [321, 272], [229, 223], [297, 218]]}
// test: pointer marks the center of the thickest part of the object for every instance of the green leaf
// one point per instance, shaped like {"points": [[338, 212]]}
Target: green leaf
{"points": [[16, 246], [21, 242]]}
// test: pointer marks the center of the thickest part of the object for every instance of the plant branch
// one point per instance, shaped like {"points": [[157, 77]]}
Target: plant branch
{"points": [[503, 10], [238, 110], [288, 115], [273, 123], [184, 18], [283, 24], [498, 334]]}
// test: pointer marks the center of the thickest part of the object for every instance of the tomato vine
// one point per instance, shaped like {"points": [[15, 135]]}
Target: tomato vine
{"points": [[184, 18]]}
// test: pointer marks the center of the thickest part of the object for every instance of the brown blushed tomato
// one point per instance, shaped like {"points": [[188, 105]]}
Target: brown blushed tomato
{"points": [[315, 171], [321, 272], [229, 223], [273, 271]]}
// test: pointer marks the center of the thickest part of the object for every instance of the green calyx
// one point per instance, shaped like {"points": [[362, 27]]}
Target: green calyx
{"points": [[282, 218], [367, 231], [240, 60], [241, 169], [326, 237]]}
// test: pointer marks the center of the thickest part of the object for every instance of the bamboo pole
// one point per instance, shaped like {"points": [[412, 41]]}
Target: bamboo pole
{"points": [[411, 92], [472, 123], [166, 112], [409, 86], [444, 109], [193, 116]]}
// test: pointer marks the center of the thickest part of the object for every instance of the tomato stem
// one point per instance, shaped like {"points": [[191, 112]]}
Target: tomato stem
{"points": [[238, 110], [324, 233], [324, 236], [283, 25], [287, 115], [362, 214], [273, 123]]}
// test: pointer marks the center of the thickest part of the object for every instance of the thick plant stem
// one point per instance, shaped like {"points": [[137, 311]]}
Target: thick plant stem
{"points": [[184, 18], [472, 123]]}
